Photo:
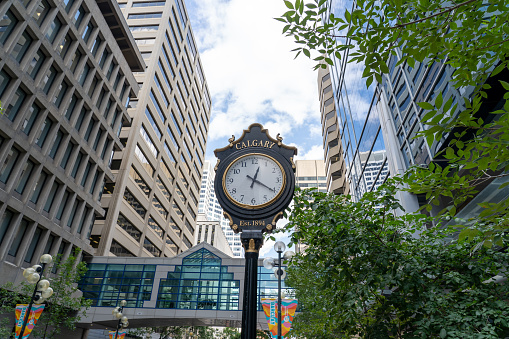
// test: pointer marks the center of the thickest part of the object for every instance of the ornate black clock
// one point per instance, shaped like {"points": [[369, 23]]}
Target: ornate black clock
{"points": [[255, 179], [254, 183]]}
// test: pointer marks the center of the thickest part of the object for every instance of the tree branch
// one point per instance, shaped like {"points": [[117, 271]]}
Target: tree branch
{"points": [[448, 9]]}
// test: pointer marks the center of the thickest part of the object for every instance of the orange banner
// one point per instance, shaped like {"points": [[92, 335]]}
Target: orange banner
{"points": [[288, 308], [35, 313], [120, 335]]}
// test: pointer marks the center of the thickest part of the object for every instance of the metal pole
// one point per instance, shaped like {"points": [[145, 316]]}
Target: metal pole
{"points": [[118, 324], [25, 320], [249, 309], [280, 272]]}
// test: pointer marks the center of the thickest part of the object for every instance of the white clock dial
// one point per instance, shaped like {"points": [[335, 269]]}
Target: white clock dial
{"points": [[254, 180]]}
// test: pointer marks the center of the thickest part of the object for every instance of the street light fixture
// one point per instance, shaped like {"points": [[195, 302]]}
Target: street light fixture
{"points": [[280, 273], [42, 291], [123, 322]]}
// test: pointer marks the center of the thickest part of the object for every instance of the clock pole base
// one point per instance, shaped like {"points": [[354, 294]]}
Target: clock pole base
{"points": [[252, 241]]}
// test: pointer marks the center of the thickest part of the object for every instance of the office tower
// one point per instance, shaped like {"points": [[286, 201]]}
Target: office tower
{"points": [[213, 211], [310, 173], [354, 149], [66, 73], [211, 232], [333, 150], [390, 110], [152, 206]]}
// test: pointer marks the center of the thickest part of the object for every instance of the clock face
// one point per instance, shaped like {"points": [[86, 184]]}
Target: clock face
{"points": [[254, 180]]}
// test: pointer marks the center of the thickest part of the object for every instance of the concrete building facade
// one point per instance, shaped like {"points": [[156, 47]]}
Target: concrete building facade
{"points": [[210, 207], [211, 232], [66, 74], [310, 173], [153, 205]]}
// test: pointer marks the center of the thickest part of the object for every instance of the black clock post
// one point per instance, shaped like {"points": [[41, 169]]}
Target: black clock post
{"points": [[255, 181]]}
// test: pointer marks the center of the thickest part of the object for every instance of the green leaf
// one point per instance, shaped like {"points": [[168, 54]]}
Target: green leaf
{"points": [[306, 52], [438, 101], [505, 84], [425, 105], [288, 4], [443, 333]]}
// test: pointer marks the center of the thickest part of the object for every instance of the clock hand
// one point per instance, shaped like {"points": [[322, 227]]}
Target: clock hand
{"points": [[254, 179], [261, 183]]}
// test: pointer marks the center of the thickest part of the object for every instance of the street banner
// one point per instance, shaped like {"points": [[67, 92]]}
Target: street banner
{"points": [[35, 313], [120, 335], [288, 307]]}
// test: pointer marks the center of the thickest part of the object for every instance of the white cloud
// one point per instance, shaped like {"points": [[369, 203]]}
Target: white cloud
{"points": [[314, 153], [251, 73]]}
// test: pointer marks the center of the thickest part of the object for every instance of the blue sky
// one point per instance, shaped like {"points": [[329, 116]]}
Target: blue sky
{"points": [[253, 77]]}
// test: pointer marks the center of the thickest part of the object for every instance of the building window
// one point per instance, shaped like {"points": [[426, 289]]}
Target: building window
{"points": [[119, 251], [88, 32], [61, 92], [5, 222], [64, 45], [171, 245], [51, 196], [149, 246], [16, 243], [77, 164], [155, 227], [36, 63], [144, 161], [78, 17], [53, 30], [153, 123], [25, 175], [159, 207], [7, 24], [48, 79], [41, 11], [62, 205], [134, 203], [38, 187], [12, 110], [72, 215], [28, 123], [67, 155], [145, 16], [163, 188], [127, 226], [21, 47], [85, 174], [84, 74], [95, 47], [147, 28], [139, 181], [68, 4], [8, 165], [75, 60]]}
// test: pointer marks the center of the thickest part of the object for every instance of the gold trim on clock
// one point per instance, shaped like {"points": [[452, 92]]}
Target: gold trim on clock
{"points": [[252, 207]]}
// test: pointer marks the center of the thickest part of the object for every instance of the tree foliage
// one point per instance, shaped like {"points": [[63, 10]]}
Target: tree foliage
{"points": [[369, 273], [472, 36], [63, 309]]}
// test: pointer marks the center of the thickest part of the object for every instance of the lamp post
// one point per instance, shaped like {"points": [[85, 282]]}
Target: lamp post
{"points": [[123, 322], [280, 273], [42, 291]]}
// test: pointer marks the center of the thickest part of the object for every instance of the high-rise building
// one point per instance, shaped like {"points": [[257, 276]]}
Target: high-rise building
{"points": [[213, 211], [354, 149], [310, 173], [152, 206], [377, 127], [66, 74]]}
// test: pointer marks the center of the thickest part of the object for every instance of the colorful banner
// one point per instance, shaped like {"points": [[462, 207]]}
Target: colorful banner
{"points": [[35, 313], [288, 307], [120, 335]]}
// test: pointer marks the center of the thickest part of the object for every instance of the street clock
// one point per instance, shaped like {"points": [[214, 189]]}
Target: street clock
{"points": [[255, 179]]}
